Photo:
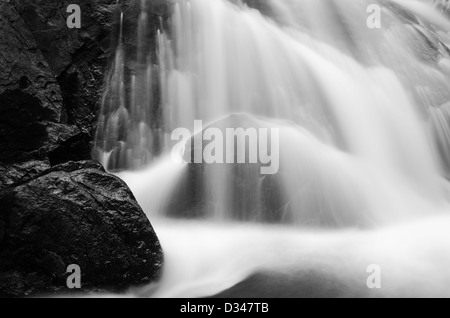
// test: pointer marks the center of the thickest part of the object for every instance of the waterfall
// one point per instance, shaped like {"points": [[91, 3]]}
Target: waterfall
{"points": [[362, 114]]}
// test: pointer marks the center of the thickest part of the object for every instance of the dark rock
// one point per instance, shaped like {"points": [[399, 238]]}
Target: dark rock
{"points": [[261, 6], [51, 80], [26, 134], [75, 148], [22, 65], [16, 172], [31, 103], [77, 57], [310, 284], [2, 231], [25, 128], [74, 214]]}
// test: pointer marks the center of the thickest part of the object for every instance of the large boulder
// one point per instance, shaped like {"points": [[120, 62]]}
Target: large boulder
{"points": [[74, 213], [21, 171], [313, 185]]}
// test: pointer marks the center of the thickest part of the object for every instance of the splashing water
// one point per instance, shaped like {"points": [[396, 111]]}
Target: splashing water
{"points": [[364, 144]]}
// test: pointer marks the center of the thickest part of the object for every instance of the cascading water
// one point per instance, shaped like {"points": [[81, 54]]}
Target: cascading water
{"points": [[363, 155]]}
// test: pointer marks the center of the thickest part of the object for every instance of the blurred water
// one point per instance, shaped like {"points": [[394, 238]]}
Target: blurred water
{"points": [[364, 141]]}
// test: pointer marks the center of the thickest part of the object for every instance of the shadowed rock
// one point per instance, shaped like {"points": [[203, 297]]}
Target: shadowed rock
{"points": [[74, 214]]}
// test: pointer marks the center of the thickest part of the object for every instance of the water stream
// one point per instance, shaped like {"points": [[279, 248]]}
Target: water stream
{"points": [[364, 145]]}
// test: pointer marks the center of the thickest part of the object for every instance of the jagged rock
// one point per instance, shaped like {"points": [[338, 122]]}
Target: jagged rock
{"points": [[51, 80], [31, 104], [77, 57], [22, 65], [17, 172], [74, 214]]}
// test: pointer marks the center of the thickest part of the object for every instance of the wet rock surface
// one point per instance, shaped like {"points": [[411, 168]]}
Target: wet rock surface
{"points": [[51, 79], [74, 213], [54, 211]]}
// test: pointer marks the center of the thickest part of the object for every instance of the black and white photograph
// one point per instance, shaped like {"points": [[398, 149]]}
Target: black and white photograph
{"points": [[224, 153]]}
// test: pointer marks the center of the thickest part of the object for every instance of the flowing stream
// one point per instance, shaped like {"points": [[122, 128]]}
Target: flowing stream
{"points": [[364, 144]]}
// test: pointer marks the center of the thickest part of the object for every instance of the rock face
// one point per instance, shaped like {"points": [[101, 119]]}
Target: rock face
{"points": [[51, 80], [74, 214], [30, 98], [55, 212], [77, 57]]}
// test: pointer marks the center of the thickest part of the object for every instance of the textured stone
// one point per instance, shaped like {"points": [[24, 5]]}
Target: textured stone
{"points": [[74, 214], [77, 57]]}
